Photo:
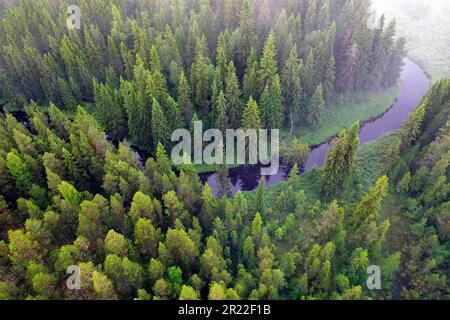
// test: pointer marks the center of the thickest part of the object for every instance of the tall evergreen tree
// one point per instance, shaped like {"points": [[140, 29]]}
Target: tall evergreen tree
{"points": [[250, 81], [173, 114], [160, 126], [110, 111], [316, 106], [247, 36], [268, 65], [200, 77], [309, 74], [221, 115], [250, 117], [330, 78], [233, 97], [184, 98], [292, 89]]}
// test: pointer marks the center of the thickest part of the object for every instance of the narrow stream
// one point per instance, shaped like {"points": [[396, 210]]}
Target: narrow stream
{"points": [[415, 84]]}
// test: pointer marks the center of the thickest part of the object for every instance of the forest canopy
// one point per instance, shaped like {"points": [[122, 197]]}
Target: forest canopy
{"points": [[194, 59], [73, 191]]}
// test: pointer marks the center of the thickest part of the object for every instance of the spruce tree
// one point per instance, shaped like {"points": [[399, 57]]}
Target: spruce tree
{"points": [[200, 78], [352, 148], [250, 84], [110, 111], [311, 17], [292, 89], [276, 96], [233, 97], [221, 116], [340, 162], [309, 74], [316, 107], [160, 127], [247, 36], [328, 85], [184, 98], [268, 65], [173, 114], [335, 167], [250, 117], [67, 97]]}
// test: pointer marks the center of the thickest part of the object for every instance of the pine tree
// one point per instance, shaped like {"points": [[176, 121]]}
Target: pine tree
{"points": [[370, 205], [364, 41], [221, 68], [263, 19], [283, 37], [347, 74], [316, 106], [340, 162], [266, 107], [351, 148], [20, 172], [324, 15], [137, 114], [173, 114], [67, 97], [260, 204], [221, 115], [309, 74], [328, 85], [109, 110], [311, 17], [247, 37], [160, 127], [233, 97], [268, 65], [292, 89], [276, 96], [250, 84], [200, 78], [250, 117], [184, 98], [411, 127]]}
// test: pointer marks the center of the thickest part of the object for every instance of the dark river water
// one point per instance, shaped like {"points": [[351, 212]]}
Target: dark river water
{"points": [[414, 86]]}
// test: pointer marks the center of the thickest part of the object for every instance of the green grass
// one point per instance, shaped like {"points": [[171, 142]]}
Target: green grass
{"points": [[362, 106]]}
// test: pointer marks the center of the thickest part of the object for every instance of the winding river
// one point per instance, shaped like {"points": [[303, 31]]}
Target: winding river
{"points": [[246, 178], [415, 84]]}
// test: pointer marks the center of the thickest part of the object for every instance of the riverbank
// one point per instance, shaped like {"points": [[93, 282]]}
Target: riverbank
{"points": [[343, 113]]}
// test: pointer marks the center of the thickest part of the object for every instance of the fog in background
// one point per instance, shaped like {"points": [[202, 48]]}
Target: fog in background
{"points": [[426, 26]]}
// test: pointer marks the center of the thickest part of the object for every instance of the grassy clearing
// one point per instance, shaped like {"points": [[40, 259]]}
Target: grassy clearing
{"points": [[343, 113]]}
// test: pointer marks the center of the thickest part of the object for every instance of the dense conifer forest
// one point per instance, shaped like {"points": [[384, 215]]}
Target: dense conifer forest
{"points": [[74, 191]]}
